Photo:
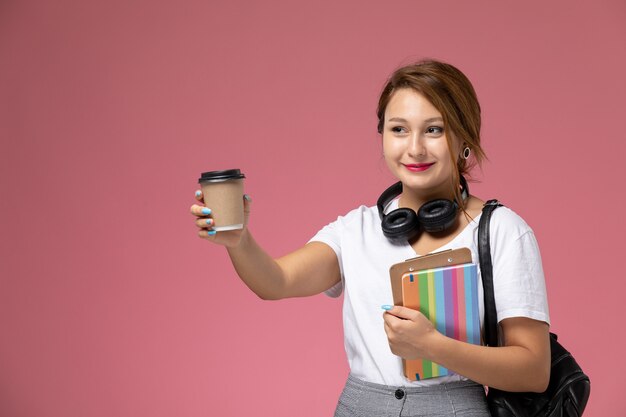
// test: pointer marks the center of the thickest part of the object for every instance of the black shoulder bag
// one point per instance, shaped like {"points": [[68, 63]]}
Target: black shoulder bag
{"points": [[569, 388]]}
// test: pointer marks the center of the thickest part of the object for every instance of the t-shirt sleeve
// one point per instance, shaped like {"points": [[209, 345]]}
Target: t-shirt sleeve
{"points": [[331, 236], [519, 283]]}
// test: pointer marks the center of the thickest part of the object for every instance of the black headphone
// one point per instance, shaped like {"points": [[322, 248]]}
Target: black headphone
{"points": [[404, 224]]}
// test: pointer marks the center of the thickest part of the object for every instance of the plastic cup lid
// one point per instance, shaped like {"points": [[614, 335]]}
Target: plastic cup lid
{"points": [[228, 174]]}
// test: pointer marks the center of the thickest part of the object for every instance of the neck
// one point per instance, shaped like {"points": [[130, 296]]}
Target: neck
{"points": [[414, 199]]}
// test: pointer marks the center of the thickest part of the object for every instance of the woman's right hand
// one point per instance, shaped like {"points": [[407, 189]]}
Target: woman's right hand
{"points": [[204, 222]]}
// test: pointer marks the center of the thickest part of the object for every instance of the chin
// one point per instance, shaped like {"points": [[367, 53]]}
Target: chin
{"points": [[426, 183]]}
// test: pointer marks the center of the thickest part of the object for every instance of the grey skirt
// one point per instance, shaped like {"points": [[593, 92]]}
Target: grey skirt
{"points": [[366, 399]]}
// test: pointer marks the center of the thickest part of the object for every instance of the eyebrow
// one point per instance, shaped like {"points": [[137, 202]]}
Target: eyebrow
{"points": [[400, 119]]}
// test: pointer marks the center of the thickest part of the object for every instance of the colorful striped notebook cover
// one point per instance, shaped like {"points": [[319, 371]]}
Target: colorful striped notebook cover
{"points": [[448, 296]]}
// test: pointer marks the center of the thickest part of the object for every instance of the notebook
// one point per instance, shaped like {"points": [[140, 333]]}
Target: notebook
{"points": [[448, 297], [432, 260]]}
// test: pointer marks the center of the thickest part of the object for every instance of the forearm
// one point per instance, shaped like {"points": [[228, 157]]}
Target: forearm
{"points": [[509, 368], [258, 270]]}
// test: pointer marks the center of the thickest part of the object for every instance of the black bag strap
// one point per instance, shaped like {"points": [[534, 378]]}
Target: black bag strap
{"points": [[486, 273]]}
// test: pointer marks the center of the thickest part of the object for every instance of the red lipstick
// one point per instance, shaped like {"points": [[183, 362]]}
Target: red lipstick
{"points": [[418, 167]]}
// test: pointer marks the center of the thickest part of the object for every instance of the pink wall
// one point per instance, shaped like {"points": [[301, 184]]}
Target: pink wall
{"points": [[110, 305]]}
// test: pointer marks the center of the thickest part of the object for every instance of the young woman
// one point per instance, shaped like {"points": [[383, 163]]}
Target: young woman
{"points": [[429, 119]]}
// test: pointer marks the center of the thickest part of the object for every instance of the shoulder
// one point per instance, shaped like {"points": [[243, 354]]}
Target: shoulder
{"points": [[511, 237], [357, 216], [361, 220], [503, 219], [506, 221]]}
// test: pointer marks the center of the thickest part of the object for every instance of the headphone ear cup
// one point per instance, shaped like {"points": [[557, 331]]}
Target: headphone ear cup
{"points": [[401, 224], [437, 215]]}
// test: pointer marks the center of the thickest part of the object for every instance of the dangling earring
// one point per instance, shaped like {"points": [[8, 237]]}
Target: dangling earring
{"points": [[466, 152]]}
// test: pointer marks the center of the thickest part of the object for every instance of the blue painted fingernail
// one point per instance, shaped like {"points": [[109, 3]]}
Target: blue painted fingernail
{"points": [[386, 307], [209, 221], [206, 210], [198, 193], [247, 197], [212, 232]]}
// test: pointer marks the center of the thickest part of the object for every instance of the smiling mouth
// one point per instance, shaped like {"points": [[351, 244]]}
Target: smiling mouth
{"points": [[418, 167]]}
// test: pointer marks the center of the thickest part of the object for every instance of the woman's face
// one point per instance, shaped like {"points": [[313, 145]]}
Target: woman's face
{"points": [[415, 145]]}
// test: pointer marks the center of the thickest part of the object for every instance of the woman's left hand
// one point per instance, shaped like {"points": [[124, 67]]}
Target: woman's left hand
{"points": [[409, 332]]}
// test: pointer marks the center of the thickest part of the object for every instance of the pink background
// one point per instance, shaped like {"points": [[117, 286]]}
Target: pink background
{"points": [[109, 303]]}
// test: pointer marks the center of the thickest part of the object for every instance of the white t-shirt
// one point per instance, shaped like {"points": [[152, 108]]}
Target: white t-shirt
{"points": [[365, 256]]}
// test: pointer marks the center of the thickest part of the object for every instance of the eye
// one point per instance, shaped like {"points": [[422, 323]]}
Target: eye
{"points": [[434, 130], [398, 129]]}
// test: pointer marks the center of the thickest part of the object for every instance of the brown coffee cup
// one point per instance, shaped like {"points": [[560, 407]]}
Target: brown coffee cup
{"points": [[223, 194]]}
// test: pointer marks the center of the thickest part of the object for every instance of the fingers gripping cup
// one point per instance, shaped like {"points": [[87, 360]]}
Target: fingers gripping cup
{"points": [[223, 194]]}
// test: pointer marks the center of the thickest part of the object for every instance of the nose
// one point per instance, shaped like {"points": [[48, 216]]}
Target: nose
{"points": [[416, 145]]}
